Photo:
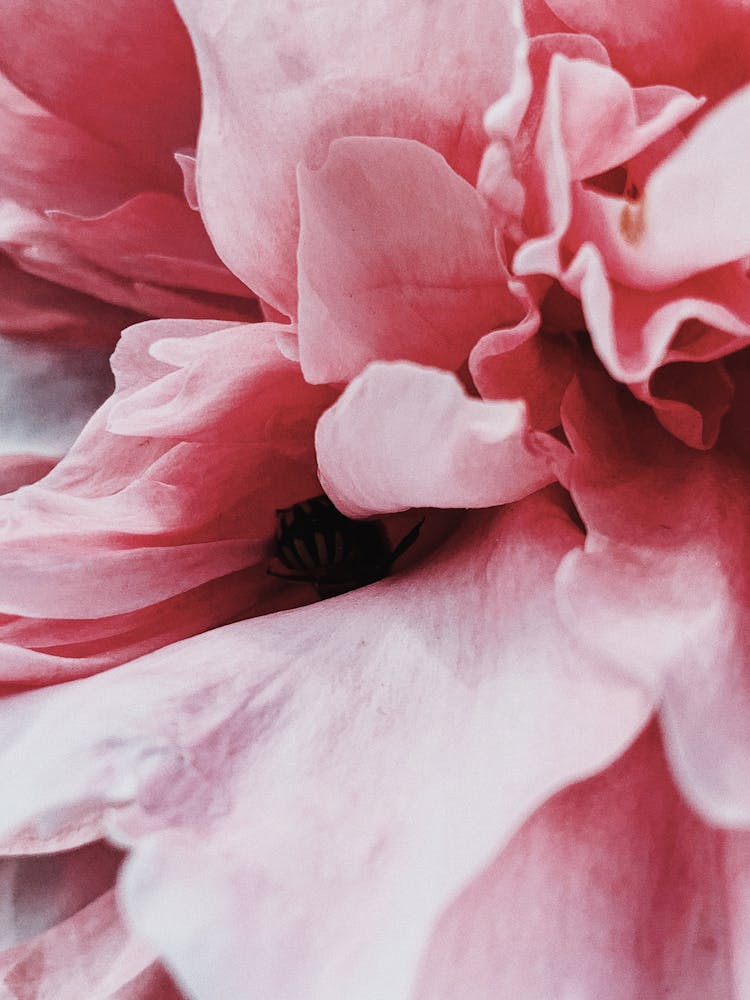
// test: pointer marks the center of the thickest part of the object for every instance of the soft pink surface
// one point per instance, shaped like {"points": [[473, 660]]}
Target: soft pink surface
{"points": [[662, 588], [465, 780], [291, 761], [428, 445], [431, 69], [614, 888], [397, 259], [161, 514]]}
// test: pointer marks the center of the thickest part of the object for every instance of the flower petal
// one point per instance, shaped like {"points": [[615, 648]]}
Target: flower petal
{"points": [[293, 772], [695, 199], [427, 444], [661, 587], [431, 69], [160, 517], [614, 888], [146, 98], [397, 260], [91, 954], [650, 44]]}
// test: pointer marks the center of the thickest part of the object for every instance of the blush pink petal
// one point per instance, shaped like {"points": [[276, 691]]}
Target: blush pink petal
{"points": [[153, 236], [590, 121], [693, 213], [91, 955], [160, 517], [661, 586], [34, 308], [614, 888], [428, 444], [293, 771], [701, 45], [397, 260], [430, 71], [124, 73], [633, 330], [110, 259]]}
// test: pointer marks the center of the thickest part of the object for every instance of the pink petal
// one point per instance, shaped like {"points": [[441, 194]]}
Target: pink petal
{"points": [[91, 954], [62, 165], [614, 888], [515, 363], [420, 278], [430, 72], [690, 400], [145, 98], [695, 200], [35, 308], [294, 773], [661, 586], [160, 510], [634, 330], [428, 444], [704, 48]]}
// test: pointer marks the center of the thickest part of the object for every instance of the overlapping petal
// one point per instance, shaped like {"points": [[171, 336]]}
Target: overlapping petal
{"points": [[614, 888], [428, 445], [397, 260], [294, 767], [702, 46], [159, 517], [280, 85], [146, 98], [661, 587]]}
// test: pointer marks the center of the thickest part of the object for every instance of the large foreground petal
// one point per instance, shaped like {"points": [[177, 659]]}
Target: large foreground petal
{"points": [[641, 899], [328, 778]]}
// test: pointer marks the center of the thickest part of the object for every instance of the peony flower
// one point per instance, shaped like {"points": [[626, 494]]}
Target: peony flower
{"points": [[478, 274]]}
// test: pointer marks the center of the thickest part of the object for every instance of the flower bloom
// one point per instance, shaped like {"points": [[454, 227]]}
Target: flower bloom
{"points": [[492, 275]]}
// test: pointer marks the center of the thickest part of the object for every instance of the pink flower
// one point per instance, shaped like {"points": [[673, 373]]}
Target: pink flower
{"points": [[502, 264]]}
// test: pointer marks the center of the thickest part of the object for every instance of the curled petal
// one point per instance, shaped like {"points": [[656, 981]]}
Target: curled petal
{"points": [[427, 445], [695, 200]]}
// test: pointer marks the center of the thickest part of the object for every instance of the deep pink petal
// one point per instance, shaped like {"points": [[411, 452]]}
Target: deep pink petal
{"points": [[397, 260], [661, 586], [428, 444], [634, 331], [614, 888], [690, 400], [125, 73], [429, 73], [294, 771]]}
